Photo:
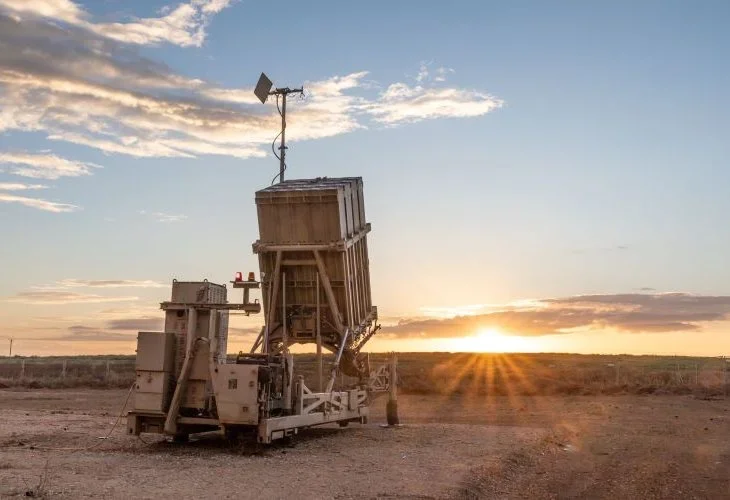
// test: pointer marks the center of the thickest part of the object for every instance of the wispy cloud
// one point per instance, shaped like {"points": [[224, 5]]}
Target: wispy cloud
{"points": [[182, 25], [163, 217], [422, 75], [78, 86], [90, 333], [426, 74], [15, 186], [63, 297], [441, 74], [149, 323], [77, 283], [248, 333], [637, 313], [450, 312], [42, 165], [45, 205], [402, 103]]}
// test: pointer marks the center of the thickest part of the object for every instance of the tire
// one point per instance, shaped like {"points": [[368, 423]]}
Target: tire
{"points": [[181, 438]]}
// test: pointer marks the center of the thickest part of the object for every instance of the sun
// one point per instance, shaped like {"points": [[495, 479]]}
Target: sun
{"points": [[493, 340]]}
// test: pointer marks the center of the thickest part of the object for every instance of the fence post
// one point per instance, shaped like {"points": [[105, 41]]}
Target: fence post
{"points": [[107, 369], [63, 370], [22, 369]]}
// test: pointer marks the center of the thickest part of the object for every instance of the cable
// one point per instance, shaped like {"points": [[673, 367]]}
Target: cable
{"points": [[275, 138], [102, 439], [277, 157]]}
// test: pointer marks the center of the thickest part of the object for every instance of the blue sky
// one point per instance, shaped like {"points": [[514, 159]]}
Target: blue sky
{"points": [[594, 162]]}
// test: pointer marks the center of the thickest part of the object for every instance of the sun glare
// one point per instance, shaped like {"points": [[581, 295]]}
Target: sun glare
{"points": [[492, 340]]}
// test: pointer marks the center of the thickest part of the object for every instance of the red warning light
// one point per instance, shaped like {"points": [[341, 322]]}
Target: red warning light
{"points": [[251, 276], [239, 276]]}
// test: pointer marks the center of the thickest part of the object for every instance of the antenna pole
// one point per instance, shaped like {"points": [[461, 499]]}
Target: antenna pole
{"points": [[282, 147], [263, 91], [283, 92]]}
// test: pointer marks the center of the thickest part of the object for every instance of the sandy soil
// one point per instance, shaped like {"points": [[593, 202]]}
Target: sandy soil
{"points": [[535, 447]]}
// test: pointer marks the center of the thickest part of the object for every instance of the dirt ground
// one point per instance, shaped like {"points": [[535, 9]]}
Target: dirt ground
{"points": [[529, 447]]}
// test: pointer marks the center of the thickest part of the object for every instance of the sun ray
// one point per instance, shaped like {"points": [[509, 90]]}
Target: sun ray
{"points": [[512, 395], [519, 373], [476, 376], [453, 380]]}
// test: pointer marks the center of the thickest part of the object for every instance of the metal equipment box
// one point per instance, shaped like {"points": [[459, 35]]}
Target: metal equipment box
{"points": [[176, 318], [177, 321], [155, 357], [188, 292], [155, 351], [236, 394], [305, 211]]}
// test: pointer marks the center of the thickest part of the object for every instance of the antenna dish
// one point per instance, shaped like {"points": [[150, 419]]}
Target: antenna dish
{"points": [[263, 91], [263, 87]]}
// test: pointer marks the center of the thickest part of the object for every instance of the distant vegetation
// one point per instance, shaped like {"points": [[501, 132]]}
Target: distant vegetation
{"points": [[437, 373]]}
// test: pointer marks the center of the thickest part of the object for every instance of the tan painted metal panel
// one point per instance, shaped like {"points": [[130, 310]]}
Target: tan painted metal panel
{"points": [[152, 391], [155, 351], [195, 394], [176, 321], [297, 213], [236, 394], [309, 211]]}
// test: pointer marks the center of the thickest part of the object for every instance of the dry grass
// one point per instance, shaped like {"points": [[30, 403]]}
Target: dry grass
{"points": [[83, 371], [441, 373]]}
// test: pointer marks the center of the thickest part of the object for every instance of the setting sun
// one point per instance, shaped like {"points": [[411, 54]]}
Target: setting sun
{"points": [[492, 340]]}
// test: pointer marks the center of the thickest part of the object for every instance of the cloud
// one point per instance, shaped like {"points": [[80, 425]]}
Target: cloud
{"points": [[88, 333], [402, 103], [635, 313], [137, 324], [243, 334], [76, 85], [62, 10], [76, 283], [45, 205], [422, 75], [450, 312], [425, 73], [43, 166], [15, 186], [61, 297], [441, 74], [183, 25], [163, 217]]}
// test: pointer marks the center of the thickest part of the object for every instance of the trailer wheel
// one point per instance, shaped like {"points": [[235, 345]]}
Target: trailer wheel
{"points": [[343, 423], [232, 434], [181, 438]]}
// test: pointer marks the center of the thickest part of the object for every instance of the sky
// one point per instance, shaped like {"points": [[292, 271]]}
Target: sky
{"points": [[538, 176]]}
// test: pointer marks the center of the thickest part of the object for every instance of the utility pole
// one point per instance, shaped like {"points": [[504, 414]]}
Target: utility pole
{"points": [[10, 354], [263, 91]]}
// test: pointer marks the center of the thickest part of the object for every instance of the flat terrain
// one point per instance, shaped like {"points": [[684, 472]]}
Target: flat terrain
{"points": [[449, 447]]}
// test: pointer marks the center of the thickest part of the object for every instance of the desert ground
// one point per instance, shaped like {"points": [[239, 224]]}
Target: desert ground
{"points": [[582, 446]]}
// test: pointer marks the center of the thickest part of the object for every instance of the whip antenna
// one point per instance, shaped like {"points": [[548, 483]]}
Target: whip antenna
{"points": [[263, 91]]}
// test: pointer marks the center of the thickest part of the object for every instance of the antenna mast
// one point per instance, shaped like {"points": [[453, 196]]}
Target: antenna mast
{"points": [[263, 91]]}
